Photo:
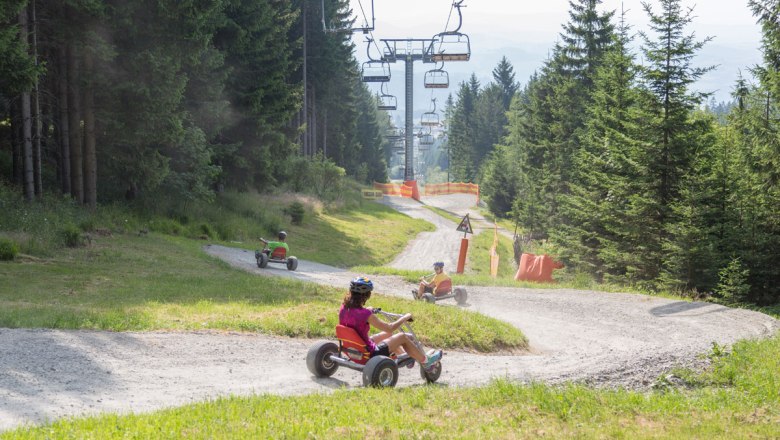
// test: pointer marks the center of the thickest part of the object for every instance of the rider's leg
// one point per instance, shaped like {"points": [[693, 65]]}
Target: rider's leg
{"points": [[381, 336], [421, 289], [401, 340]]}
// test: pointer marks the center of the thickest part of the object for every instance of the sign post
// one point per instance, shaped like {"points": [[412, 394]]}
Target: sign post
{"points": [[465, 227]]}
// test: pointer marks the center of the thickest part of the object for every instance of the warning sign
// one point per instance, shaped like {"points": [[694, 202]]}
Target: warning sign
{"points": [[465, 225]]}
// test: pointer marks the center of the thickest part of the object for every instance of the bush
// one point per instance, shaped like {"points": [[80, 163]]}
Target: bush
{"points": [[733, 286], [8, 249], [296, 211], [165, 226], [71, 236]]}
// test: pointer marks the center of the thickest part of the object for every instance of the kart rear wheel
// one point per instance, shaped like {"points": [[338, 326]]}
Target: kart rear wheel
{"points": [[292, 263], [262, 260], [460, 295], [318, 359], [428, 297], [431, 375], [380, 371]]}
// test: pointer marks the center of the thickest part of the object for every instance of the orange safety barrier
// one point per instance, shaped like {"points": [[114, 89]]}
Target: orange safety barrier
{"points": [[407, 189], [537, 268], [436, 189]]}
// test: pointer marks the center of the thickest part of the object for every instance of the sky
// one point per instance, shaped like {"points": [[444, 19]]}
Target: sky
{"points": [[524, 31]]}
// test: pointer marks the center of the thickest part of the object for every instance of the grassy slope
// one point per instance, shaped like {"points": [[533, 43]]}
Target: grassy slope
{"points": [[155, 281]]}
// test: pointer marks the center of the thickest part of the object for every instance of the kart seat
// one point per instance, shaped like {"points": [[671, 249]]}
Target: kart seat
{"points": [[443, 288], [352, 345], [279, 253]]}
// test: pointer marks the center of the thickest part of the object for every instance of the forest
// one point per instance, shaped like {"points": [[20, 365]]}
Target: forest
{"points": [[109, 100], [629, 174]]}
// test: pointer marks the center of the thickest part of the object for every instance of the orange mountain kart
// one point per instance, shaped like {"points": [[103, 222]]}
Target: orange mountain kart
{"points": [[325, 357], [279, 255]]}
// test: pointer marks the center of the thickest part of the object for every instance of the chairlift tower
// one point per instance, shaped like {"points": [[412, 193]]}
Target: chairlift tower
{"points": [[445, 46]]}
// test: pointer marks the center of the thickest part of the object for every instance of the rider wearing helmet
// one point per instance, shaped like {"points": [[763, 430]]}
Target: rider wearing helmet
{"points": [[355, 315], [431, 286], [272, 245]]}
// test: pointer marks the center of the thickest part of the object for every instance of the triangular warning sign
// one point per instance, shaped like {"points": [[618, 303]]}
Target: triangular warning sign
{"points": [[465, 225]]}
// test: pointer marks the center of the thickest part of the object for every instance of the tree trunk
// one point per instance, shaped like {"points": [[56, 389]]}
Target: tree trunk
{"points": [[74, 126], [90, 160], [27, 149], [64, 132], [16, 141], [36, 109]]}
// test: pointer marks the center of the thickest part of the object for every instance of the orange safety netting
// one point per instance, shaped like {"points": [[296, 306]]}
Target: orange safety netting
{"points": [[407, 189], [436, 189]]}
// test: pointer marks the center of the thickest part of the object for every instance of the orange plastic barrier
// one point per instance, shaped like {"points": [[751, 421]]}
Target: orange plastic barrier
{"points": [[436, 189], [537, 268], [407, 189]]}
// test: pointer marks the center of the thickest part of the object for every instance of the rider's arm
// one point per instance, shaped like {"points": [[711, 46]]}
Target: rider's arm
{"points": [[387, 326]]}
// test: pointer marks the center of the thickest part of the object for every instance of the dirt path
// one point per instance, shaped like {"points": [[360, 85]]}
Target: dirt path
{"points": [[606, 339]]}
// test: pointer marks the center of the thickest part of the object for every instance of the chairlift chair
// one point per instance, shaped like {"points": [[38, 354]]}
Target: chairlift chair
{"points": [[451, 45], [386, 101], [431, 118], [375, 71], [437, 79]]}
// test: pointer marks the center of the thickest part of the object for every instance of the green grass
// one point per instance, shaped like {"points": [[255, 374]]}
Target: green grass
{"points": [[158, 282], [737, 398]]}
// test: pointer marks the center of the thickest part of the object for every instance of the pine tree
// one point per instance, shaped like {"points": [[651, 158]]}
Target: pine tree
{"points": [[462, 133], [668, 75], [504, 76], [600, 229]]}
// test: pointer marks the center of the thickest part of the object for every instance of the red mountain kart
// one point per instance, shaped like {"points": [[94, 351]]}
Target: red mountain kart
{"points": [[445, 291], [325, 357], [279, 255]]}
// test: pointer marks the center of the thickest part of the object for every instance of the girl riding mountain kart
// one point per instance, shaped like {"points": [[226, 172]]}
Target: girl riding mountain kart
{"points": [[378, 356], [275, 252]]}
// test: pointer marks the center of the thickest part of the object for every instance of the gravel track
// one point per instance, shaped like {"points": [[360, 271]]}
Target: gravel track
{"points": [[604, 339]]}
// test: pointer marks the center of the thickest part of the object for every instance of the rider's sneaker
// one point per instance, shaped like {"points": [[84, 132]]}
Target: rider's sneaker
{"points": [[257, 255], [414, 294], [432, 359]]}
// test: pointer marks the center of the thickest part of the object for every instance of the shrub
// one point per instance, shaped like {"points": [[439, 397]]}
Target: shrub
{"points": [[165, 226], [296, 211], [733, 286], [71, 235], [8, 249]]}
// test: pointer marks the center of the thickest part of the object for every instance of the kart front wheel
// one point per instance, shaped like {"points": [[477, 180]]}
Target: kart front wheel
{"points": [[292, 263], [431, 375], [380, 371], [428, 297], [262, 260], [460, 295], [318, 359]]}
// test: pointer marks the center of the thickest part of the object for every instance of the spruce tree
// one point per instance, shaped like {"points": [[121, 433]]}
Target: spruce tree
{"points": [[668, 75]]}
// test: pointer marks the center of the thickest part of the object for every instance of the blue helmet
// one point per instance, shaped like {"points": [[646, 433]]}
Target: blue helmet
{"points": [[439, 264], [361, 285]]}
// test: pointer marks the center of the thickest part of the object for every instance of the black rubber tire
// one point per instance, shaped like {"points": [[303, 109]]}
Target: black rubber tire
{"points": [[460, 295], [292, 263], [318, 361], [262, 262], [380, 371], [431, 375], [428, 297]]}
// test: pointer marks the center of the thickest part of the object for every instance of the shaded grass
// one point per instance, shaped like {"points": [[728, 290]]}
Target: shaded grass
{"points": [[158, 282], [738, 398]]}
